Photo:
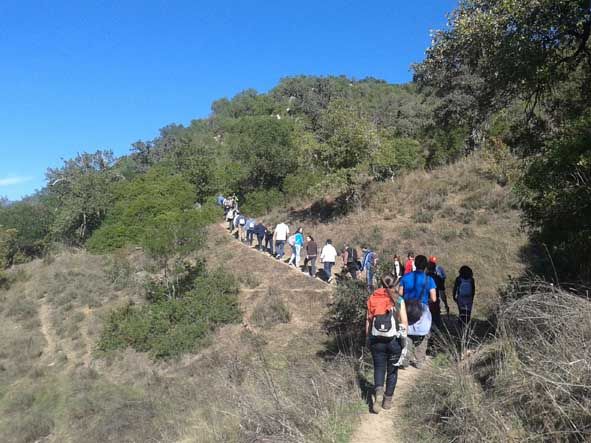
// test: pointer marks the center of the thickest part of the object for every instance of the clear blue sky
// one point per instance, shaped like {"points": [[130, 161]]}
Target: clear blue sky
{"points": [[84, 75]]}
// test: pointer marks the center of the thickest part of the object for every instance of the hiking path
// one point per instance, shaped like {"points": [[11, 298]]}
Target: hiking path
{"points": [[272, 274]]}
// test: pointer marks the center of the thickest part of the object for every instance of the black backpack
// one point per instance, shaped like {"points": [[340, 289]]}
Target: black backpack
{"points": [[384, 325], [352, 256]]}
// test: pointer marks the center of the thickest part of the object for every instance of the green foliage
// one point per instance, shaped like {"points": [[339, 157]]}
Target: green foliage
{"points": [[32, 219], [8, 247], [138, 205], [346, 319], [264, 146], [394, 156], [83, 193], [555, 197], [260, 202], [170, 327]]}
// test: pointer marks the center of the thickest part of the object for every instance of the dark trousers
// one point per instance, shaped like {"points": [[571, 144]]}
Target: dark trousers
{"points": [[230, 225], [310, 264], [269, 244], [249, 236], [465, 311], [352, 269], [435, 308], [328, 269], [260, 240], [385, 353]]}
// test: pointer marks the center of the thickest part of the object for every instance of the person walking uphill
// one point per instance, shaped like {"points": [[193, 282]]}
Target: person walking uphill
{"points": [[386, 327], [281, 233], [464, 292], [328, 256], [418, 286], [260, 231], [369, 264], [298, 244], [311, 254]]}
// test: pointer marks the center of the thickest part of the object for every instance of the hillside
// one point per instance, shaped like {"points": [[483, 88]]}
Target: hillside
{"points": [[275, 377]]}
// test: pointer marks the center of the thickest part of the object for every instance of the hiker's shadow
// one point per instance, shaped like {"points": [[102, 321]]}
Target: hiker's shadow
{"points": [[365, 387]]}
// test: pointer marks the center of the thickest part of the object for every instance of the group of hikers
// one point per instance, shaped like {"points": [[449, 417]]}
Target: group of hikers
{"points": [[401, 313]]}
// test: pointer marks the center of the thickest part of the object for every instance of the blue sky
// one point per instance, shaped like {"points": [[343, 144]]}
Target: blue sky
{"points": [[85, 75]]}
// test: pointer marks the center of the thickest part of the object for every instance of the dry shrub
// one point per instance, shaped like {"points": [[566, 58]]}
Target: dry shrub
{"points": [[270, 310], [533, 381]]}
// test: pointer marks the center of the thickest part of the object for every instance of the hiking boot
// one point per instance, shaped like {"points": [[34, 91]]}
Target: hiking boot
{"points": [[379, 398], [387, 404]]}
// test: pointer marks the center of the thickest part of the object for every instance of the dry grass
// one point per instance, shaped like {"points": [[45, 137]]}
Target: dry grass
{"points": [[533, 381]]}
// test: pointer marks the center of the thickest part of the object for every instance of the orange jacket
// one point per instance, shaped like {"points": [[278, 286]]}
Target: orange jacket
{"points": [[379, 302]]}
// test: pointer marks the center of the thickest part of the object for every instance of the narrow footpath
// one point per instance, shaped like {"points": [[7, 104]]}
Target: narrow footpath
{"points": [[372, 427]]}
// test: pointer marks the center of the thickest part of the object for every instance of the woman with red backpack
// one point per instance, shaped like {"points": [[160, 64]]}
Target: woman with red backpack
{"points": [[386, 326]]}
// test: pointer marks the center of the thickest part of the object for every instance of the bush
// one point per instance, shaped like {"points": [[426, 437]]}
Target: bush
{"points": [[261, 202], [531, 382], [346, 318], [270, 310], [170, 327], [423, 216]]}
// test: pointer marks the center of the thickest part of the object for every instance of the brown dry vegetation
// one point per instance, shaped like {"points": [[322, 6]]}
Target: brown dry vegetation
{"points": [[266, 380]]}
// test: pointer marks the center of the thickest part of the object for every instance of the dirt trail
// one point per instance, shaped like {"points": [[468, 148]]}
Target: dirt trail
{"points": [[48, 333], [372, 427], [377, 427]]}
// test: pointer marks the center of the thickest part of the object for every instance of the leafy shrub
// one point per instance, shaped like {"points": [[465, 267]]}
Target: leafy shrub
{"points": [[346, 318], [395, 155], [170, 327], [423, 216], [262, 201], [302, 183], [269, 311]]}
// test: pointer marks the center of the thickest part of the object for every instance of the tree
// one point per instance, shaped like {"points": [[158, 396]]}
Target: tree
{"points": [[83, 190]]}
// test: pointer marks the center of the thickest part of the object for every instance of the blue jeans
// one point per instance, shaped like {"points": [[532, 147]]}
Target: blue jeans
{"points": [[249, 236], [279, 248], [369, 275], [328, 268], [385, 353]]}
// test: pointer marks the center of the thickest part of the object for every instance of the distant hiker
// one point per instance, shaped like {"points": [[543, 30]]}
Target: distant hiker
{"points": [[260, 232], [386, 328], [228, 205], [464, 292], [250, 224], [409, 266], [230, 219], [311, 254], [328, 257], [297, 246], [281, 233], [440, 287], [220, 200], [435, 306], [369, 265], [241, 222], [350, 260], [417, 285], [397, 269], [269, 239]]}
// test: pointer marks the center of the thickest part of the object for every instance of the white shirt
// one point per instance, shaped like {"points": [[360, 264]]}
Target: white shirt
{"points": [[281, 231], [328, 254]]}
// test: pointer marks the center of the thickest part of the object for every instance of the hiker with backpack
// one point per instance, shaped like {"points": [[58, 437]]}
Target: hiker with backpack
{"points": [[250, 224], [269, 234], [281, 234], [350, 260], [463, 294], [328, 257], [386, 328], [260, 232], [230, 219], [417, 285], [435, 306], [311, 254], [241, 224], [440, 288], [298, 245], [369, 265]]}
